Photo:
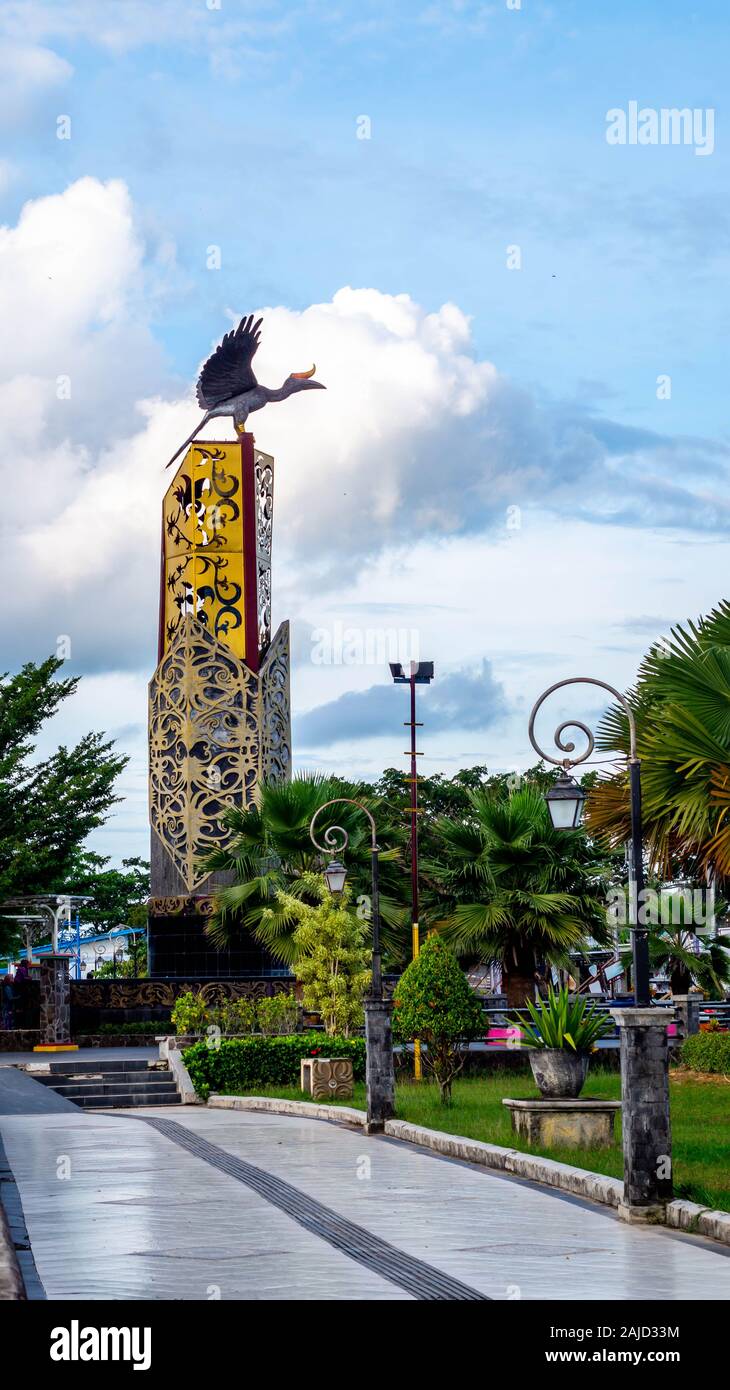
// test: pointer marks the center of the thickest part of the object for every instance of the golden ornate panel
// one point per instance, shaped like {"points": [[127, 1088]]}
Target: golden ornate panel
{"points": [[215, 728], [203, 545]]}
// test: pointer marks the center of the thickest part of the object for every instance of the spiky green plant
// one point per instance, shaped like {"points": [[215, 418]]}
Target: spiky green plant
{"points": [[562, 1022]]}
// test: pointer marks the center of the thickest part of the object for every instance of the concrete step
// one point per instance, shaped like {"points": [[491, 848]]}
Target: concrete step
{"points": [[119, 1078], [125, 1099], [104, 1064], [107, 1086]]}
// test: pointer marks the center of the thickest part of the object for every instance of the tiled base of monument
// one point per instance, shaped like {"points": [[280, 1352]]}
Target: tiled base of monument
{"points": [[574, 1124]]}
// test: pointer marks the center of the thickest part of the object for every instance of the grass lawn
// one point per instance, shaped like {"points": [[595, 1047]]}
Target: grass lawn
{"points": [[700, 1124]]}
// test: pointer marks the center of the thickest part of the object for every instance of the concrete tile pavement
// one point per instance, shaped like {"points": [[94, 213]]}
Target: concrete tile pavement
{"points": [[140, 1217]]}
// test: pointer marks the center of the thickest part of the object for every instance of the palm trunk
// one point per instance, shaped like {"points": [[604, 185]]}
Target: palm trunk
{"points": [[680, 979], [518, 985]]}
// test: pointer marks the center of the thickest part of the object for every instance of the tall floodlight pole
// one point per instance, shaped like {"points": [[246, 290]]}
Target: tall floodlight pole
{"points": [[647, 1134], [379, 1073], [420, 673]]}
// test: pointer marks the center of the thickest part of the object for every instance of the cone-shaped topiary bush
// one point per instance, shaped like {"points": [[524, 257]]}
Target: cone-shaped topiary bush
{"points": [[435, 1002]]}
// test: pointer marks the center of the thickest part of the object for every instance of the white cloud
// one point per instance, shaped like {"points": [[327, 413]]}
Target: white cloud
{"points": [[125, 25], [391, 496], [28, 74]]}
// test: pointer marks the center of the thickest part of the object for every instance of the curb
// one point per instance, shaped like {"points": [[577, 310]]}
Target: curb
{"points": [[12, 1288], [580, 1182], [181, 1076], [341, 1114], [699, 1221]]}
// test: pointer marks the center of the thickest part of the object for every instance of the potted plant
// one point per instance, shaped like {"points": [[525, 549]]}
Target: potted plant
{"points": [[561, 1035]]}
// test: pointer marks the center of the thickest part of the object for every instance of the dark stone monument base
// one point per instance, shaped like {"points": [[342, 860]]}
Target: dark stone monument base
{"points": [[179, 947]]}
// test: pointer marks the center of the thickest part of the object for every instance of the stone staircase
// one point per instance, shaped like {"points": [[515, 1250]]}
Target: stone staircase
{"points": [[110, 1084]]}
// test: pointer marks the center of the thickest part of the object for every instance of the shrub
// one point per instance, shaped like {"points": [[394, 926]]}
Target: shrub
{"points": [[707, 1052], [234, 1016], [277, 1015], [332, 955], [435, 1002], [190, 1014], [234, 1066]]}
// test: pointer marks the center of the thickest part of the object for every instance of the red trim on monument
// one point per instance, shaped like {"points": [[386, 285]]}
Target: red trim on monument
{"points": [[161, 623], [250, 565]]}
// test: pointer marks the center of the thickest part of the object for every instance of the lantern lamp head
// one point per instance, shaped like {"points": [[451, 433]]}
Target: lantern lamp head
{"points": [[566, 803], [335, 875]]}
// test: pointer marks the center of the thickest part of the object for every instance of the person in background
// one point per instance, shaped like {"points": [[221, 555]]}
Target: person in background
{"points": [[7, 1001], [22, 972]]}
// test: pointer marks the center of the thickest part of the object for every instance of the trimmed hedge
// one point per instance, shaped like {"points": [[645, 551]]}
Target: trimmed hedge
{"points": [[238, 1065], [707, 1052]]}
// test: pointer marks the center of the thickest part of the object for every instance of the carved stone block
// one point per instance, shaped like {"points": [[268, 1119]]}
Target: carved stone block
{"points": [[325, 1078]]}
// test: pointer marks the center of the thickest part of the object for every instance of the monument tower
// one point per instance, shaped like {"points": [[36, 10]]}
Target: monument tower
{"points": [[219, 717]]}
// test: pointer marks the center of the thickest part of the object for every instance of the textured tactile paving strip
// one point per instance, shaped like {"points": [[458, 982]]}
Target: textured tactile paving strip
{"points": [[422, 1281]]}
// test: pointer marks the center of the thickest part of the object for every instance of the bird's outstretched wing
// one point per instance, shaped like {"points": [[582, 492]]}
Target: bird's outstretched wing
{"points": [[228, 372]]}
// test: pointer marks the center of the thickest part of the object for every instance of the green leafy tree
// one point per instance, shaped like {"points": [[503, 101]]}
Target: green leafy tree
{"points": [[271, 854], [442, 797], [117, 895], [48, 806], [509, 888], [332, 954], [435, 1002]]}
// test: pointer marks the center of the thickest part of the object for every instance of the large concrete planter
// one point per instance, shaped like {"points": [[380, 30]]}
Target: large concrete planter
{"points": [[559, 1074]]}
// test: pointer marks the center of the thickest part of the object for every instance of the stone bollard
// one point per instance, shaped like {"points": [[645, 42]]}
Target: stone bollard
{"points": [[326, 1078], [55, 1000], [380, 1076], [647, 1138], [687, 1007]]}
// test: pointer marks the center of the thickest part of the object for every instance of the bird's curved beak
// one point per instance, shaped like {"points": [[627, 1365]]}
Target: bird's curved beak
{"points": [[306, 377]]}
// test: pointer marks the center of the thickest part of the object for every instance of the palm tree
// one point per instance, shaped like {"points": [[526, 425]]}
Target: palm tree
{"points": [[682, 706], [671, 950], [270, 852], [510, 888]]}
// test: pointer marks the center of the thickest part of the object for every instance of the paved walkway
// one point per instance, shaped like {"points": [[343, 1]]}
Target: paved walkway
{"points": [[188, 1203], [82, 1054]]}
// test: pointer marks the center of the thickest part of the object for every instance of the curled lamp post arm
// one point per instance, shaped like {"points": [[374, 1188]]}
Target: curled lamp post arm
{"points": [[640, 937], [576, 724], [336, 838], [331, 834]]}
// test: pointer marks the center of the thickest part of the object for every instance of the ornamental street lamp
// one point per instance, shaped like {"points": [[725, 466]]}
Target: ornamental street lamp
{"points": [[647, 1138], [379, 1072], [566, 801]]}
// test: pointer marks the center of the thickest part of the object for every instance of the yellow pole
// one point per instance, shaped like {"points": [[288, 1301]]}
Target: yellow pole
{"points": [[417, 1069]]}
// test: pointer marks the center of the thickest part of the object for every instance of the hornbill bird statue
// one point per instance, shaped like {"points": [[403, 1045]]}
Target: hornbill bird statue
{"points": [[227, 385]]}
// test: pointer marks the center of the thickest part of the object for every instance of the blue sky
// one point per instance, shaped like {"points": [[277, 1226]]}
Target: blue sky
{"points": [[487, 130], [237, 127]]}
